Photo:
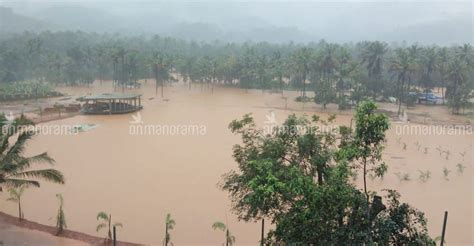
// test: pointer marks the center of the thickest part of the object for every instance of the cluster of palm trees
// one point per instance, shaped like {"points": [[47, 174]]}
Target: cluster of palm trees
{"points": [[333, 71]]}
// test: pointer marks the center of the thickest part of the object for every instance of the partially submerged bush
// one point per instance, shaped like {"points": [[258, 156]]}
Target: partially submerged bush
{"points": [[403, 176], [424, 175]]}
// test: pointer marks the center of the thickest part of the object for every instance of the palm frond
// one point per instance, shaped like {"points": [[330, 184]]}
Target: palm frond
{"points": [[9, 182], [231, 239], [118, 224], [51, 175], [18, 147], [12, 199], [16, 193], [102, 215], [100, 226], [5, 142], [219, 226], [25, 163], [23, 121]]}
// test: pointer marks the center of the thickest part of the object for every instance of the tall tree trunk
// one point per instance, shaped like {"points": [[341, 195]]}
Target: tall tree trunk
{"points": [[365, 179], [443, 93], [263, 232], [20, 214], [304, 85], [110, 222], [162, 85], [227, 237], [166, 234]]}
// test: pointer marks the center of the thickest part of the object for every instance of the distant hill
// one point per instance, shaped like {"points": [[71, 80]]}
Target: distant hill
{"points": [[80, 18], [11, 22], [447, 31], [236, 22]]}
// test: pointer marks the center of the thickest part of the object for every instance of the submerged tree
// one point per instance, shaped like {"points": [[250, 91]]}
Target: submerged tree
{"points": [[160, 68], [15, 196], [301, 63], [60, 218], [169, 225], [229, 238], [373, 58], [106, 222], [401, 67], [459, 88]]}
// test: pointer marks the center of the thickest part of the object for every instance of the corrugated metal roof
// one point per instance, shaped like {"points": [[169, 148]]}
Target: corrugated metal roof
{"points": [[109, 96]]}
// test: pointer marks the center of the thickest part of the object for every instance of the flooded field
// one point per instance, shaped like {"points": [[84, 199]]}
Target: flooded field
{"points": [[139, 178]]}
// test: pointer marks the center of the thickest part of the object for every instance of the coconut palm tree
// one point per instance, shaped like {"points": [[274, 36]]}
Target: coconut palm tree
{"points": [[301, 63], [456, 92], [429, 62], [465, 53], [229, 238], [160, 71], [169, 225], [106, 221], [373, 58], [414, 53], [401, 67], [60, 218], [15, 168], [277, 68], [443, 69], [15, 196]]}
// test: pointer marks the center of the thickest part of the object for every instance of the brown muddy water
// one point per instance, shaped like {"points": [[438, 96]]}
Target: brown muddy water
{"points": [[139, 178]]}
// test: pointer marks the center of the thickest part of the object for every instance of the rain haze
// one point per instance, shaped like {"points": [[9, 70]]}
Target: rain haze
{"points": [[442, 22], [234, 123]]}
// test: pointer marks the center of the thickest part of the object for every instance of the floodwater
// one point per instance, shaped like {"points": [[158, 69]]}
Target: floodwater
{"points": [[139, 178]]}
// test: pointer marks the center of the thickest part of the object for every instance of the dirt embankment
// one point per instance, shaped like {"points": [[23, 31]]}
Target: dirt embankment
{"points": [[74, 235]]}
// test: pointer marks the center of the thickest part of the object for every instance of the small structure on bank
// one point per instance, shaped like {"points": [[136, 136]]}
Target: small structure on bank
{"points": [[111, 103]]}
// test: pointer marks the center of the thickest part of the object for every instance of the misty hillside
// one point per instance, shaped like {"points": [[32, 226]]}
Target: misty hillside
{"points": [[12, 22], [240, 22]]}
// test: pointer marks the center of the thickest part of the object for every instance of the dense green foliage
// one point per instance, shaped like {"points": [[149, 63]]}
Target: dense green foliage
{"points": [[333, 71], [26, 90], [299, 178]]}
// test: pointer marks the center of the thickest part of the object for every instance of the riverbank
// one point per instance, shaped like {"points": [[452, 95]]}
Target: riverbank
{"points": [[14, 232]]}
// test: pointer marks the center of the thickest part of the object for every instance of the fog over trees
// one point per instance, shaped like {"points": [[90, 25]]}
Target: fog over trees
{"points": [[427, 22]]}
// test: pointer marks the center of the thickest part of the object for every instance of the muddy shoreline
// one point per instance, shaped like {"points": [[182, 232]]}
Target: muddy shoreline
{"points": [[69, 234]]}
